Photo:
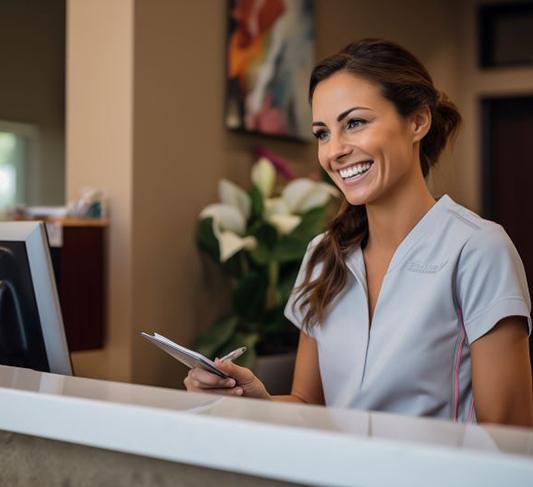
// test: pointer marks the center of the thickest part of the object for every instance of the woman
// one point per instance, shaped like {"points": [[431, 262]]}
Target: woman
{"points": [[405, 304]]}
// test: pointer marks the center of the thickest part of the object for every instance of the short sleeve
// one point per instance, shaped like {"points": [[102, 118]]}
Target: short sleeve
{"points": [[491, 282], [293, 313]]}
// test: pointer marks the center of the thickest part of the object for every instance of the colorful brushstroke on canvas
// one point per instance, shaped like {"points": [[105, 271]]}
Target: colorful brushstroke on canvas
{"points": [[269, 59]]}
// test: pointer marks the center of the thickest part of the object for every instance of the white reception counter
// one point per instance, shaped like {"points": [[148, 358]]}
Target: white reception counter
{"points": [[305, 444]]}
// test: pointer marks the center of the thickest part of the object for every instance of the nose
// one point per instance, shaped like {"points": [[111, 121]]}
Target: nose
{"points": [[338, 148]]}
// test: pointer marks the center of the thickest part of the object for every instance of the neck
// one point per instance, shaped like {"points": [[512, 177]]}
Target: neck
{"points": [[391, 218]]}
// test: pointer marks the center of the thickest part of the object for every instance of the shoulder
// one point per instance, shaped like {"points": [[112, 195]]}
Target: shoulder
{"points": [[315, 241], [477, 234], [487, 260], [491, 240], [311, 246]]}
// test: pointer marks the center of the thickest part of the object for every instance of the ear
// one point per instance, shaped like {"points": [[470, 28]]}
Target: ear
{"points": [[420, 123]]}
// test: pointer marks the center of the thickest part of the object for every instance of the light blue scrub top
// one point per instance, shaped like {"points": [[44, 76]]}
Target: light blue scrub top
{"points": [[452, 278]]}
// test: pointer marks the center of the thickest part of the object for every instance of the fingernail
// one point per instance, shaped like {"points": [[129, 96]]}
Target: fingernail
{"points": [[230, 382], [238, 391]]}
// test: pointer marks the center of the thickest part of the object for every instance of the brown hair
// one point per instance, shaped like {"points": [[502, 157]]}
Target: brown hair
{"points": [[405, 82]]}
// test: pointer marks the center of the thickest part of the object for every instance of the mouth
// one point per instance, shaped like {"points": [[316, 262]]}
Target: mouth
{"points": [[355, 171]]}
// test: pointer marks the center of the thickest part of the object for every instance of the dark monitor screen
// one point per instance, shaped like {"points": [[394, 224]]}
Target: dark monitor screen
{"points": [[31, 327]]}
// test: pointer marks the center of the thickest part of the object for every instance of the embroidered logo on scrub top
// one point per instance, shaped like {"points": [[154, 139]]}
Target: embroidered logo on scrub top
{"points": [[425, 268]]}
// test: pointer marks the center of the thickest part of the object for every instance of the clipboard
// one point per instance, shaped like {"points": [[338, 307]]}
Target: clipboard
{"points": [[187, 357]]}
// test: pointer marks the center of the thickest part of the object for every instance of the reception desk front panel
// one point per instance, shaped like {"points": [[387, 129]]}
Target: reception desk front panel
{"points": [[297, 443]]}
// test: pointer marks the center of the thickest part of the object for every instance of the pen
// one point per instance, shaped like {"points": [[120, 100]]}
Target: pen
{"points": [[235, 354]]}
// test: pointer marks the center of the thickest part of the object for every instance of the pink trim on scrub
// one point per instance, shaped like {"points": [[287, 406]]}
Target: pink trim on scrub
{"points": [[457, 368]]}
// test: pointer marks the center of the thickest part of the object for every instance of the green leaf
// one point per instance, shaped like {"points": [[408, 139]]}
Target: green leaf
{"points": [[257, 203], [275, 320], [290, 249], [206, 240], [266, 236], [313, 222], [261, 255], [286, 283], [250, 294], [222, 331], [264, 232], [233, 266]]}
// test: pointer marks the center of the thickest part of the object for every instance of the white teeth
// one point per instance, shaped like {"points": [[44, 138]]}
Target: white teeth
{"points": [[354, 170]]}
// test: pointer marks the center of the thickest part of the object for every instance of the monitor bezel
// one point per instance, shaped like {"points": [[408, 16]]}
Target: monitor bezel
{"points": [[35, 238]]}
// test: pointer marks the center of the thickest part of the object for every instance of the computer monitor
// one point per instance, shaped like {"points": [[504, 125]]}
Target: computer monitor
{"points": [[31, 326]]}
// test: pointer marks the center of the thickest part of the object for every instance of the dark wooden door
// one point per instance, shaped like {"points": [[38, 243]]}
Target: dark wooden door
{"points": [[508, 172]]}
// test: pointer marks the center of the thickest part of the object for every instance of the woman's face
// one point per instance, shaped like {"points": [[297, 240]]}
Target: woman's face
{"points": [[365, 146]]}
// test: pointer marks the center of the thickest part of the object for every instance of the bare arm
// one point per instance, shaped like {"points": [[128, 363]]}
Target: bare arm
{"points": [[501, 374], [306, 384]]}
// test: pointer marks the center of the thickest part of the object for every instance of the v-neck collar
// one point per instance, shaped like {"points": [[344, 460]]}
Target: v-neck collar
{"points": [[355, 260]]}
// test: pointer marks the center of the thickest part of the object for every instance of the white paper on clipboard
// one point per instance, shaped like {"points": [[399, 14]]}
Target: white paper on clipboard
{"points": [[188, 357]]}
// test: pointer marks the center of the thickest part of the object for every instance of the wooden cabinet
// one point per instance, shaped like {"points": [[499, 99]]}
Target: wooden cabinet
{"points": [[78, 256]]}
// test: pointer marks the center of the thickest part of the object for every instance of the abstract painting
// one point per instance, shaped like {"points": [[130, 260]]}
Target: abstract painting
{"points": [[270, 54]]}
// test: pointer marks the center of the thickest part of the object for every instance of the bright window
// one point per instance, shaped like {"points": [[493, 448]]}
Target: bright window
{"points": [[8, 168], [18, 146]]}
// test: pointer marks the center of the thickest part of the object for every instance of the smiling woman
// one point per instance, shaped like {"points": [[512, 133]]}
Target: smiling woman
{"points": [[380, 125], [406, 303]]}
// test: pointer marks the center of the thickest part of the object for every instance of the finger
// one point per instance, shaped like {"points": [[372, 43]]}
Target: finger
{"points": [[205, 377], [241, 374]]}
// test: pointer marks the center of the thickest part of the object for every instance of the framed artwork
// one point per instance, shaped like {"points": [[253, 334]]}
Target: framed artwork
{"points": [[270, 55]]}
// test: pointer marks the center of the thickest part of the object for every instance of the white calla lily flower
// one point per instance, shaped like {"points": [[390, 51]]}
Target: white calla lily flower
{"points": [[284, 224], [276, 206], [264, 176], [231, 243], [229, 220], [225, 217], [231, 194], [304, 194]]}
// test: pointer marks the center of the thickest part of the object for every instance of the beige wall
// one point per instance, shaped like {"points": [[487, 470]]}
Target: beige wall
{"points": [[145, 119], [180, 152], [99, 154], [32, 50]]}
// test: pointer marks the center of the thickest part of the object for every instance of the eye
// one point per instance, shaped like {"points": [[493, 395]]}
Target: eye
{"points": [[321, 135], [354, 123]]}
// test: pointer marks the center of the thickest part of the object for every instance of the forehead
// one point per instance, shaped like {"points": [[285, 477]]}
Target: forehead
{"points": [[342, 91]]}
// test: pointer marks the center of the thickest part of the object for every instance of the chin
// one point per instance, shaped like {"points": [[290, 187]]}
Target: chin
{"points": [[356, 201], [357, 197]]}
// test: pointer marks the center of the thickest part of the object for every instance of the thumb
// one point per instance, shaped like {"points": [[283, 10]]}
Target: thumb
{"points": [[241, 374]]}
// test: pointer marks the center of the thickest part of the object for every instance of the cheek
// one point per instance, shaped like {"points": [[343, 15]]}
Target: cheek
{"points": [[372, 142], [391, 144]]}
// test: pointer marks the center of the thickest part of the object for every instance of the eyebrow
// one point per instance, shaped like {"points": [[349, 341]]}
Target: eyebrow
{"points": [[342, 116]]}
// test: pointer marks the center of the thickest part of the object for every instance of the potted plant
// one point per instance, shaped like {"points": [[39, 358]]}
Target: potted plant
{"points": [[258, 238]]}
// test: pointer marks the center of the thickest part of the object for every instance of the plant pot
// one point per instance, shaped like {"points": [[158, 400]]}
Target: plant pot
{"points": [[276, 371]]}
